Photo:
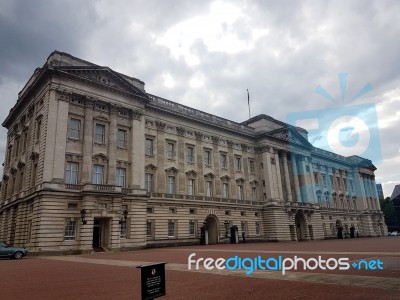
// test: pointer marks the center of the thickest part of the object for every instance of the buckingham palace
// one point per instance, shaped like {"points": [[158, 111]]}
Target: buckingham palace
{"points": [[93, 162]]}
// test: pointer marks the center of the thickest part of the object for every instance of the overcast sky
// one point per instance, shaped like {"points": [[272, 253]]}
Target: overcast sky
{"points": [[205, 54]]}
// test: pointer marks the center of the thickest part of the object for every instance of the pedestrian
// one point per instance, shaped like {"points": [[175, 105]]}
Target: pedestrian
{"points": [[244, 237]]}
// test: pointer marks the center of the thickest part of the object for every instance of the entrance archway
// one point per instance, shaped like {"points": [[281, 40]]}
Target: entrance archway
{"points": [[300, 226], [212, 226]]}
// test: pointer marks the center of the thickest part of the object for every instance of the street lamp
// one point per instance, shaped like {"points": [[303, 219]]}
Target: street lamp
{"points": [[83, 215], [125, 216]]}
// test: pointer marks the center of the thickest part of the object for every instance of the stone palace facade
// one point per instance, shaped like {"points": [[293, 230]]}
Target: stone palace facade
{"points": [[95, 162]]}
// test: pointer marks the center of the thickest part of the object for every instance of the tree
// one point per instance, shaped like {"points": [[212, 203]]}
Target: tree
{"points": [[390, 214]]}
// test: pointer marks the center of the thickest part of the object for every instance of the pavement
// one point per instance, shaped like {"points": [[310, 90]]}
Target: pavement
{"points": [[114, 275]]}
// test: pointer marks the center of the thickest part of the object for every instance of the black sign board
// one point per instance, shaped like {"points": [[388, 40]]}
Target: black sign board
{"points": [[153, 281]]}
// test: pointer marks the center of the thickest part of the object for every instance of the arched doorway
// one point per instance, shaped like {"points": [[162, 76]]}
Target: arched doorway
{"points": [[339, 228], [300, 226], [212, 229]]}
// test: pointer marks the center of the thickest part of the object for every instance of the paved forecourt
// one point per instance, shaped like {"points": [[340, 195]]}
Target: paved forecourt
{"points": [[114, 275]]}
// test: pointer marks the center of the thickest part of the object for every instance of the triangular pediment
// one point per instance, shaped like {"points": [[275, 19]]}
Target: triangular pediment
{"points": [[105, 77], [291, 136]]}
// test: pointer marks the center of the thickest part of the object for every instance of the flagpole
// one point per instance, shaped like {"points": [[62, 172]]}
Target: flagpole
{"points": [[248, 101]]}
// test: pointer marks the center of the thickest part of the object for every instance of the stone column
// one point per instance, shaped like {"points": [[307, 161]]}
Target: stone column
{"points": [[296, 178], [303, 180], [267, 176], [60, 137], [313, 184], [287, 177], [112, 146], [278, 175], [87, 142], [136, 143]]}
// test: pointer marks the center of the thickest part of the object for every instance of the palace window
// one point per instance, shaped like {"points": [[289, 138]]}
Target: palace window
{"points": [[209, 190], [192, 228], [257, 227], [171, 228], [71, 172], [254, 193], [122, 139], [98, 174], [252, 166], [171, 185], [74, 128], [150, 229], [70, 230], [207, 157], [121, 177], [148, 183], [240, 192], [238, 163], [225, 190], [170, 150], [123, 230], [190, 154], [191, 183], [100, 134], [223, 160], [149, 146]]}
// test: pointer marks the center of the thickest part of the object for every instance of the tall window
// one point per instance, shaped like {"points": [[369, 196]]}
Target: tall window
{"points": [[148, 183], [238, 163], [100, 134], [225, 190], [171, 228], [207, 157], [190, 154], [190, 186], [324, 180], [17, 147], [257, 227], [38, 129], [25, 140], [149, 147], [97, 176], [123, 230], [121, 177], [70, 230], [192, 228], [345, 184], [252, 166], [71, 173], [209, 189], [170, 150], [254, 193], [171, 185], [122, 138], [74, 128], [223, 160], [149, 229], [240, 192]]}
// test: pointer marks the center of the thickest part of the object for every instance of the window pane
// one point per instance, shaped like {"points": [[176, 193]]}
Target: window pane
{"points": [[71, 173], [97, 176], [171, 185], [74, 126], [121, 177], [100, 133], [149, 147], [70, 230], [148, 184], [121, 138]]}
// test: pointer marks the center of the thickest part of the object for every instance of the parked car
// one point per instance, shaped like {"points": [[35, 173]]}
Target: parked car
{"points": [[393, 233], [12, 252]]}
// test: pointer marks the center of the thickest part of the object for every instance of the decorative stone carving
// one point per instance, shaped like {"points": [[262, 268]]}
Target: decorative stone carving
{"points": [[150, 168], [225, 178], [180, 130], [240, 180], [64, 96], [21, 165], [89, 102], [160, 125], [229, 143], [172, 171], [209, 176], [13, 171], [191, 173], [244, 147], [215, 140], [199, 135], [137, 114]]}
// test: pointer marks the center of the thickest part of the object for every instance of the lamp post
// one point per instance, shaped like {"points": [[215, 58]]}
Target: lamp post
{"points": [[226, 223], [83, 215], [125, 216]]}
